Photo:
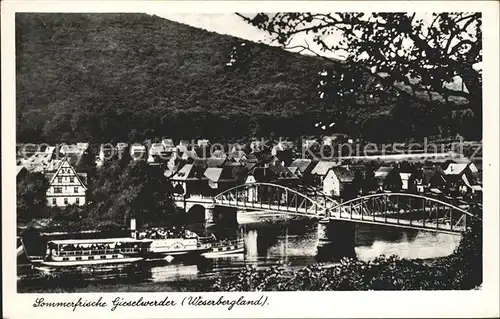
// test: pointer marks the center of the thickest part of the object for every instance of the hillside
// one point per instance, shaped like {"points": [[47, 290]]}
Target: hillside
{"points": [[126, 77]]}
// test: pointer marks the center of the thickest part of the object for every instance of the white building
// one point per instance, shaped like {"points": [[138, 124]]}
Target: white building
{"points": [[66, 186]]}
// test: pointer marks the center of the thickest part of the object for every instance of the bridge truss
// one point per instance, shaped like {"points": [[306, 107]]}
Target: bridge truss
{"points": [[402, 210]]}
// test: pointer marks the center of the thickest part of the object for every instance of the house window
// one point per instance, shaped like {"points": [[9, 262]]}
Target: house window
{"points": [[76, 189], [59, 179], [71, 179], [54, 201], [77, 201], [57, 190], [65, 201]]}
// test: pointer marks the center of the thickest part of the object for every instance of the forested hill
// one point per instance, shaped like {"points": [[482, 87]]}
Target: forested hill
{"points": [[127, 77]]}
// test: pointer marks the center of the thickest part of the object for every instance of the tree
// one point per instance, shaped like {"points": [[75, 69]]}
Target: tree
{"points": [[31, 196], [434, 48], [86, 163], [427, 58]]}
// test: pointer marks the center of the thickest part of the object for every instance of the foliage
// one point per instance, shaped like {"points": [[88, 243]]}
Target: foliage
{"points": [[459, 271], [31, 200], [138, 190], [129, 77], [398, 47]]}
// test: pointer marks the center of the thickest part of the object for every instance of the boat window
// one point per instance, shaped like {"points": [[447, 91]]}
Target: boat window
{"points": [[65, 258], [115, 256], [91, 257], [78, 258], [103, 257]]}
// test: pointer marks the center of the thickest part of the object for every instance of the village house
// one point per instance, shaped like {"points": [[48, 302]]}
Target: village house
{"points": [[138, 152], [430, 179], [168, 145], [183, 146], [408, 181], [341, 182], [388, 178], [174, 163], [66, 186], [461, 177], [237, 156], [283, 151], [190, 179], [303, 168], [319, 171], [223, 178], [218, 154], [203, 142], [157, 154], [190, 156], [257, 145], [251, 158]]}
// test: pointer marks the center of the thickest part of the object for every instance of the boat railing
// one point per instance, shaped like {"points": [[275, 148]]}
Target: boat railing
{"points": [[226, 243], [99, 251]]}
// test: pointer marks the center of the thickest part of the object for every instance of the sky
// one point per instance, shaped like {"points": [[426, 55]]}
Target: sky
{"points": [[231, 24]]}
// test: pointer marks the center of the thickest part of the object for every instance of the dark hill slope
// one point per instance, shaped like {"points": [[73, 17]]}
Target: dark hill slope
{"points": [[112, 77]]}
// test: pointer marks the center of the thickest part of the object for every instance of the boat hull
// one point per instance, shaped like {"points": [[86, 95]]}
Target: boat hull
{"points": [[217, 254], [73, 263]]}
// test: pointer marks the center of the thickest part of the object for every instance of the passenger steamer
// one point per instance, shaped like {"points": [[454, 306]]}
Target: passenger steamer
{"points": [[173, 242], [83, 252], [156, 243]]}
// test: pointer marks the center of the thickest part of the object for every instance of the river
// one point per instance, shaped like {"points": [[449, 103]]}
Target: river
{"points": [[291, 243]]}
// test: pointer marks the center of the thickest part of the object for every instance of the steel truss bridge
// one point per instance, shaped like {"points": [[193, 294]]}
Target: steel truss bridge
{"points": [[402, 210]]}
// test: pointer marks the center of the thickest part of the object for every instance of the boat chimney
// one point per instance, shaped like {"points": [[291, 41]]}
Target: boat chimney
{"points": [[132, 227]]}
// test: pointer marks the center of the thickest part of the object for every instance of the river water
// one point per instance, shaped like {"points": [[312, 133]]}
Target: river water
{"points": [[291, 243]]}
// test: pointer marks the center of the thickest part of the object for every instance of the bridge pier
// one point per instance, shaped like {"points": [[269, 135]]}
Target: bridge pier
{"points": [[225, 216], [209, 216], [336, 239]]}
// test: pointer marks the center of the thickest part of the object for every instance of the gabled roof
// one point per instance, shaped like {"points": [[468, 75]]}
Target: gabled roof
{"points": [[262, 174], [81, 177], [383, 171], [305, 166], [251, 158], [458, 168], [183, 173], [232, 173], [322, 167], [216, 162], [168, 142], [282, 172], [428, 172], [237, 155], [344, 174], [213, 173], [294, 170], [190, 154]]}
